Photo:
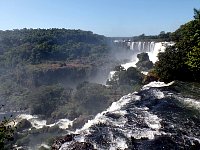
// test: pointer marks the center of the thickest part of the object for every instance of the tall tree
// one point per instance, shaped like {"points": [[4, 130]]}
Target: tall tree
{"points": [[196, 13]]}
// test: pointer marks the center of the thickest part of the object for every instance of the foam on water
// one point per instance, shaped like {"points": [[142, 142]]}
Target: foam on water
{"points": [[34, 120], [118, 143], [156, 84], [158, 94], [111, 75], [130, 64], [114, 108], [39, 123], [188, 101]]}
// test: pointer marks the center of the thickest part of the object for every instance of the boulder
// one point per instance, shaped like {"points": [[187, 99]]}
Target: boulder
{"points": [[144, 64], [23, 124]]}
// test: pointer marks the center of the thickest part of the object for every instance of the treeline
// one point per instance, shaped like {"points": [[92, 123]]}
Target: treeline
{"points": [[163, 36], [182, 61], [39, 45], [168, 36]]}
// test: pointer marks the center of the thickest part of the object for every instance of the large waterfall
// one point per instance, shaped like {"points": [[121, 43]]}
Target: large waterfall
{"points": [[141, 46], [152, 48]]}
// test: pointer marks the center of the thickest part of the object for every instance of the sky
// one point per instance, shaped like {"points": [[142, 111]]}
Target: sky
{"points": [[113, 18]]}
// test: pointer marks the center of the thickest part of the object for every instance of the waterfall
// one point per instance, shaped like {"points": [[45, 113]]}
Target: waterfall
{"points": [[141, 46], [152, 48]]}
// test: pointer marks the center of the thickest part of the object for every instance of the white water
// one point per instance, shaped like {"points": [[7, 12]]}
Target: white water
{"points": [[156, 84], [121, 124], [115, 107], [39, 123], [152, 48], [189, 102]]}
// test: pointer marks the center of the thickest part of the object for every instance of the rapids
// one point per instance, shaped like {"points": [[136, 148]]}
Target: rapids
{"points": [[153, 118]]}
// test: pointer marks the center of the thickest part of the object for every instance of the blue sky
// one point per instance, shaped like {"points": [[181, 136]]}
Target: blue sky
{"points": [[107, 17]]}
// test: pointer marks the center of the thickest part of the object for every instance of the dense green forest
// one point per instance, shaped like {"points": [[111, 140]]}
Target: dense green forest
{"points": [[35, 46]]}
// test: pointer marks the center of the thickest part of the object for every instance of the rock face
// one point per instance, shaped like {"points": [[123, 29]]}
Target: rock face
{"points": [[144, 64], [72, 144], [58, 142], [23, 124], [81, 146]]}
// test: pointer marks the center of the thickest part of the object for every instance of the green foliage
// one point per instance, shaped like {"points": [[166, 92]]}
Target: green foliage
{"points": [[182, 61], [45, 99], [131, 76], [194, 59], [196, 13], [163, 36], [91, 98], [39, 45], [6, 132], [171, 65]]}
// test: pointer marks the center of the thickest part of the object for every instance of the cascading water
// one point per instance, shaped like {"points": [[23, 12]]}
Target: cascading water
{"points": [[152, 48], [144, 120], [149, 119], [142, 46]]}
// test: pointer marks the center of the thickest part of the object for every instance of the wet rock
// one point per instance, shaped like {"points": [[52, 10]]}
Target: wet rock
{"points": [[71, 143], [80, 121], [144, 64], [58, 142], [81, 146], [50, 121], [113, 116], [23, 124]]}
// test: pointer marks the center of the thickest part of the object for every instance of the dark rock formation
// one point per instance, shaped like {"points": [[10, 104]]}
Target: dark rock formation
{"points": [[81, 146], [144, 64], [72, 144], [23, 124]]}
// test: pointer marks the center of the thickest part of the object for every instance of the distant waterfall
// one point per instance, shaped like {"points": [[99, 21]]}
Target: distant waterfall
{"points": [[152, 48], [142, 46]]}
